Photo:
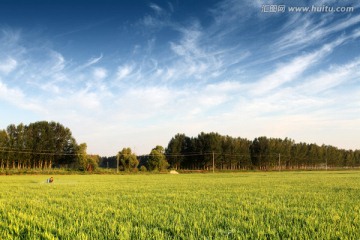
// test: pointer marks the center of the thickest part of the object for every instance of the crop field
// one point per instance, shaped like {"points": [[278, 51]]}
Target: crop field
{"points": [[254, 205]]}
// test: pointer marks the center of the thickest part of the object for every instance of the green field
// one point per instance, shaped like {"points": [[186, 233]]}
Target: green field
{"points": [[260, 205]]}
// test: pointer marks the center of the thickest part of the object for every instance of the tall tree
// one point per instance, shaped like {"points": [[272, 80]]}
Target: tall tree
{"points": [[157, 159], [208, 144], [38, 145], [178, 147], [259, 150], [242, 146], [3, 148], [174, 150]]}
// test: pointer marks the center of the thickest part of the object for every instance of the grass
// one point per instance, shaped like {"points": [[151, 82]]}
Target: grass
{"points": [[256, 205]]}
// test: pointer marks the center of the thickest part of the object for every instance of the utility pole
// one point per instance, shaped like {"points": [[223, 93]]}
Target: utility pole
{"points": [[117, 163], [326, 163], [326, 158], [213, 155]]}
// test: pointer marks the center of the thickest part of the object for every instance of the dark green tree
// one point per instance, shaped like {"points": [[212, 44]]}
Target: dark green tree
{"points": [[242, 153], [179, 151], [3, 148], [208, 144], [259, 150], [37, 145], [175, 150]]}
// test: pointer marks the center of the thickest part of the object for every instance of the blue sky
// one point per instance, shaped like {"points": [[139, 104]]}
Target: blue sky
{"points": [[135, 73]]}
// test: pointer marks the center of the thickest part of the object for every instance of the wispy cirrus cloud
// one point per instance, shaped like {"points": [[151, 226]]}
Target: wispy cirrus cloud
{"points": [[91, 61], [303, 31], [159, 18], [10, 50], [196, 56], [57, 61], [296, 67], [158, 10], [124, 71], [331, 78]]}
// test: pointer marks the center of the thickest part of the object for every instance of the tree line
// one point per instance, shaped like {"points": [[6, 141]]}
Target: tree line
{"points": [[126, 160], [43, 145], [208, 150], [47, 145], [262, 153]]}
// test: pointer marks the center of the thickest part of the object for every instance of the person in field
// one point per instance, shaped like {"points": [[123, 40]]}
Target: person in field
{"points": [[50, 180]]}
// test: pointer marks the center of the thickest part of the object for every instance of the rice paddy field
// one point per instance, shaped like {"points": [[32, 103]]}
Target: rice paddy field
{"points": [[254, 205]]}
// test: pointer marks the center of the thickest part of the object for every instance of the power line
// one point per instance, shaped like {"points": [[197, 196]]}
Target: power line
{"points": [[192, 154], [25, 149], [39, 153]]}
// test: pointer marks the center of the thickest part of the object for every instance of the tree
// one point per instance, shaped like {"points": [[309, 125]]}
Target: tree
{"points": [[51, 144], [157, 160], [127, 159], [37, 145], [108, 162], [81, 157], [12, 145], [259, 150], [175, 150], [297, 154], [3, 145], [207, 144], [242, 146], [263, 153]]}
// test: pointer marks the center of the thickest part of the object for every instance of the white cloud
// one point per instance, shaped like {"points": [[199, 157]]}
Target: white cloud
{"points": [[10, 94], [295, 68], [188, 47], [196, 57], [156, 8], [100, 73], [225, 87], [81, 102], [87, 100], [124, 71], [159, 19], [8, 65], [145, 102], [331, 78], [58, 61], [150, 21], [16, 97], [300, 32], [169, 74], [90, 62], [285, 73], [50, 87]]}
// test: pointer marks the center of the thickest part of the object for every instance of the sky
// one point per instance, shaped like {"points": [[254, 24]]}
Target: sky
{"points": [[135, 73]]}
